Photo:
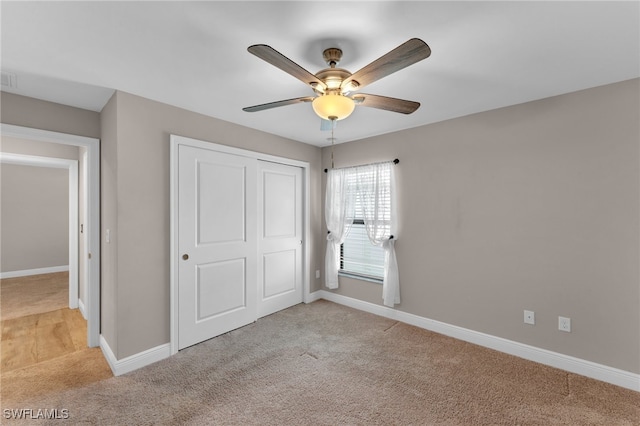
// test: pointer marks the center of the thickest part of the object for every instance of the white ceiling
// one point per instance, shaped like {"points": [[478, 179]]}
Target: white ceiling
{"points": [[193, 55]]}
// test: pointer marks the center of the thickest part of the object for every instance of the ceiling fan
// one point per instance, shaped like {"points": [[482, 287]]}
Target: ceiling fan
{"points": [[334, 87]]}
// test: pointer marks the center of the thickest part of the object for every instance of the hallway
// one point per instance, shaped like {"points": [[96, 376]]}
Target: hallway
{"points": [[45, 352]]}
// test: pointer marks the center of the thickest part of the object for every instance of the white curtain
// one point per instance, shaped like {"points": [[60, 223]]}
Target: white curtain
{"points": [[372, 188], [375, 183], [338, 213]]}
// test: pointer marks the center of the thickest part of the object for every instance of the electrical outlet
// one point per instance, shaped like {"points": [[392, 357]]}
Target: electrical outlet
{"points": [[564, 324], [529, 317], [317, 273]]}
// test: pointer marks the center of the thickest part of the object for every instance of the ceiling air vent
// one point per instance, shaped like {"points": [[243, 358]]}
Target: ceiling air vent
{"points": [[9, 80]]}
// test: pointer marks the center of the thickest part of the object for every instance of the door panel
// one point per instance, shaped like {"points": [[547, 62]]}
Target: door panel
{"points": [[279, 204], [221, 185], [280, 237], [218, 290], [217, 243], [279, 273]]}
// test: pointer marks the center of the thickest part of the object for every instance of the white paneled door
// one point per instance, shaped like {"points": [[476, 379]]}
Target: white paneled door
{"points": [[279, 237], [239, 241], [217, 239]]}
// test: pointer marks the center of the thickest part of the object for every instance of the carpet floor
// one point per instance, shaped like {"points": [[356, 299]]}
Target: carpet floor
{"points": [[326, 364]]}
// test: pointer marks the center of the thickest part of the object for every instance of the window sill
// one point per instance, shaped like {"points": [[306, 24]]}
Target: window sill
{"points": [[360, 277]]}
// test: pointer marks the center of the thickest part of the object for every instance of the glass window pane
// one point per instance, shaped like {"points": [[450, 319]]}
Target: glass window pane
{"points": [[359, 256]]}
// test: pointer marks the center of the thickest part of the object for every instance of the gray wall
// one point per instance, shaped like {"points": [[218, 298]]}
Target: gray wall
{"points": [[37, 148], [534, 206], [109, 220], [29, 112], [135, 208], [34, 212]]}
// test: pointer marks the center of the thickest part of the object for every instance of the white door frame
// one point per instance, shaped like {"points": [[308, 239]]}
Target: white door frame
{"points": [[84, 177], [175, 142], [92, 302], [72, 167]]}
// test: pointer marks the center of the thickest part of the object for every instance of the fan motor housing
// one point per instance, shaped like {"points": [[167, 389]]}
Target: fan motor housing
{"points": [[333, 77]]}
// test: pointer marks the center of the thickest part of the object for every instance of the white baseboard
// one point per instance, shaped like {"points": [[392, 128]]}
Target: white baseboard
{"points": [[312, 297], [38, 271], [568, 363], [82, 309], [135, 361]]}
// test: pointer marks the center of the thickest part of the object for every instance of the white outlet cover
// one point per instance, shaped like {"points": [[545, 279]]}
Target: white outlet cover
{"points": [[564, 324]]}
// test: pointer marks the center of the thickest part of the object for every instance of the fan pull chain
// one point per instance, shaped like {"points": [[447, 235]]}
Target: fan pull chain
{"points": [[333, 139]]}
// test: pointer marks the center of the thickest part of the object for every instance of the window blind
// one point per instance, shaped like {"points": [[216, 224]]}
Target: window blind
{"points": [[358, 256]]}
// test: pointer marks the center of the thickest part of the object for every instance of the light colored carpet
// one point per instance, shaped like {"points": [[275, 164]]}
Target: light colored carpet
{"points": [[326, 364], [34, 294]]}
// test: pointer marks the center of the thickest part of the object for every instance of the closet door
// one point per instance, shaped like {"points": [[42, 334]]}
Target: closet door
{"points": [[217, 226], [280, 207]]}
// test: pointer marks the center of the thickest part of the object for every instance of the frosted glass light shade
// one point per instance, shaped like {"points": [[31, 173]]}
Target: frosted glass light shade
{"points": [[333, 105]]}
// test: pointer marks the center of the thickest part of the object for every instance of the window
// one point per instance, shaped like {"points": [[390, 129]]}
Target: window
{"points": [[358, 256]]}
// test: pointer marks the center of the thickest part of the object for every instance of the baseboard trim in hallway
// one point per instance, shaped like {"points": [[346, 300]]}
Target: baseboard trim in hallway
{"points": [[38, 271]]}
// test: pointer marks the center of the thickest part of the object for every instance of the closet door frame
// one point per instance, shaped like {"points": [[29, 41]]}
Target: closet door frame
{"points": [[175, 142]]}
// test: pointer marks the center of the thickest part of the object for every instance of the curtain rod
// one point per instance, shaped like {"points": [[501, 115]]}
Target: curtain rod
{"points": [[395, 161]]}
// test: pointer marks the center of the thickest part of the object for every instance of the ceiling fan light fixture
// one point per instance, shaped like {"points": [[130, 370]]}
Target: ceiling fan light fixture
{"points": [[334, 86], [317, 88], [349, 87], [333, 105], [333, 83]]}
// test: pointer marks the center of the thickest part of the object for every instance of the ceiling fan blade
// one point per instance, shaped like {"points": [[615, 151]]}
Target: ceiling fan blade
{"points": [[276, 104], [277, 59], [382, 102], [408, 53]]}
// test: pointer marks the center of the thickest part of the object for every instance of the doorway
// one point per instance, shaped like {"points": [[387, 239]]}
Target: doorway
{"points": [[49, 163], [91, 228]]}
